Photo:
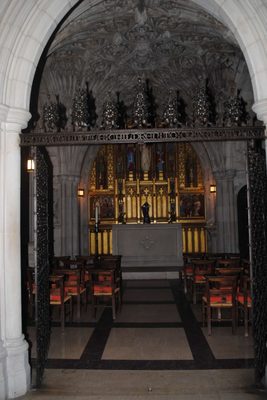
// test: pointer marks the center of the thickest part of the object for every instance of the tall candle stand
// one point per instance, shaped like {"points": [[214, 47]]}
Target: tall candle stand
{"points": [[96, 233], [96, 238]]}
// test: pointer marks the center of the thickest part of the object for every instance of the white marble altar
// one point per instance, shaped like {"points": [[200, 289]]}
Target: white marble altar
{"points": [[147, 246]]}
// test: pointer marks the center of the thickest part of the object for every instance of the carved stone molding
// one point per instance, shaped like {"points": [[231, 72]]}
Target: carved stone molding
{"points": [[225, 174]]}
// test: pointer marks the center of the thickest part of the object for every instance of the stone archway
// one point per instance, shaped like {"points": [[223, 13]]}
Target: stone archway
{"points": [[25, 33]]}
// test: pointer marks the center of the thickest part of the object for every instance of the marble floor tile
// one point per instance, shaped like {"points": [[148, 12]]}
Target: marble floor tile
{"points": [[145, 313], [226, 345], [147, 344], [65, 345]]}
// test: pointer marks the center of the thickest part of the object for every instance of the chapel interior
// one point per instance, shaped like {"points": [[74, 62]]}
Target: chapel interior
{"points": [[127, 65]]}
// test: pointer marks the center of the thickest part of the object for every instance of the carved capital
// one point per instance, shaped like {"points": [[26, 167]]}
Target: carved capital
{"points": [[224, 174]]}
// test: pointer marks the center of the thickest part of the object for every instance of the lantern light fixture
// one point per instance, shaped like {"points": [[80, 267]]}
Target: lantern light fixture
{"points": [[213, 188], [80, 192], [30, 165]]}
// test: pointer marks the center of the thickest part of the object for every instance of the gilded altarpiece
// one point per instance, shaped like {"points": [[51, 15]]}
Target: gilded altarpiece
{"points": [[166, 176]]}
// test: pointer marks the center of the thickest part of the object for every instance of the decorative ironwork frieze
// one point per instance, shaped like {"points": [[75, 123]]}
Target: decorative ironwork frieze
{"points": [[170, 114], [235, 111], [110, 114], [155, 135]]}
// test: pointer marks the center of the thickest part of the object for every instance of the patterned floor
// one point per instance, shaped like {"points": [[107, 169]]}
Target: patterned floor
{"points": [[157, 329]]}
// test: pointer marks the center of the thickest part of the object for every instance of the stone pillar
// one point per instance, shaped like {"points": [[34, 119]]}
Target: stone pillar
{"points": [[66, 215], [13, 348], [226, 212], [3, 376]]}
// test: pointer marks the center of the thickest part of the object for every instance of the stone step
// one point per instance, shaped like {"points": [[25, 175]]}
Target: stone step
{"points": [[150, 272]]}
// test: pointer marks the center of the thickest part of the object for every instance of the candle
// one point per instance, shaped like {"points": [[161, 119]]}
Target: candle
{"points": [[96, 215]]}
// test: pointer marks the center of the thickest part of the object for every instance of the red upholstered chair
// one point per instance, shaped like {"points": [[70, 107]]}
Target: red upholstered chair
{"points": [[58, 297], [220, 293], [244, 301], [229, 271], [201, 268], [228, 263], [74, 285], [58, 261], [106, 285], [113, 261], [187, 275]]}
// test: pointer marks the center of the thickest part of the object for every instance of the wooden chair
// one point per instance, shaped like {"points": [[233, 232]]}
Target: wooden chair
{"points": [[237, 271], [201, 268], [244, 301], [220, 293], [228, 263], [105, 284], [58, 261], [113, 261], [74, 285], [246, 266], [86, 260], [187, 276], [58, 297]]}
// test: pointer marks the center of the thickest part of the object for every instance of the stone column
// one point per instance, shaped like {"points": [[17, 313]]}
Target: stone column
{"points": [[67, 162], [3, 377], [14, 348], [226, 213], [66, 215]]}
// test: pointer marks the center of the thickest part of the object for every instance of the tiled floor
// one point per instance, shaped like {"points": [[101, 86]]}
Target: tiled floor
{"points": [[156, 349]]}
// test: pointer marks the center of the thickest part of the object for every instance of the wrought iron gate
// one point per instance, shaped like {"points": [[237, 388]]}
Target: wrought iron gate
{"points": [[41, 260], [257, 190]]}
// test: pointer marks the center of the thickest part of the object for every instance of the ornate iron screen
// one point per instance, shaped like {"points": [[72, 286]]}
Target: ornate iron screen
{"points": [[258, 235], [41, 257], [257, 186]]}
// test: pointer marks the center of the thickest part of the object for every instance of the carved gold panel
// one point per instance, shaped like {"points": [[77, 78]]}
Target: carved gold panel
{"points": [[173, 186]]}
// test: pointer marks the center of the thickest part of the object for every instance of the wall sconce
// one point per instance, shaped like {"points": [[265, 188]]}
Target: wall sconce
{"points": [[80, 192], [213, 188], [30, 165]]}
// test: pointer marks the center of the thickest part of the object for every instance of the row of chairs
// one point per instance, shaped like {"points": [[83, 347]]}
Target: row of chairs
{"points": [[84, 279], [222, 284]]}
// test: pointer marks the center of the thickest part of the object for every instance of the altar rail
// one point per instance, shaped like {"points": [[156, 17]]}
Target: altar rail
{"points": [[194, 239]]}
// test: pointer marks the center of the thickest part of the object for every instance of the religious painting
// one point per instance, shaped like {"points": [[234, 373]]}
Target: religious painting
{"points": [[101, 170], [105, 204], [192, 205], [131, 158]]}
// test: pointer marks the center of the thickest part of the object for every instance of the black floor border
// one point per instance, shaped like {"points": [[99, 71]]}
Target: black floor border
{"points": [[199, 346], [147, 325], [96, 344], [153, 365]]}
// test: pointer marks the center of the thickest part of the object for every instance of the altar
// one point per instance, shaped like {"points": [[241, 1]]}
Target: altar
{"points": [[149, 250]]}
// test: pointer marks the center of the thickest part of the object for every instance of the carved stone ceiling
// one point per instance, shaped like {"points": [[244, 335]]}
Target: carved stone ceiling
{"points": [[174, 44]]}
